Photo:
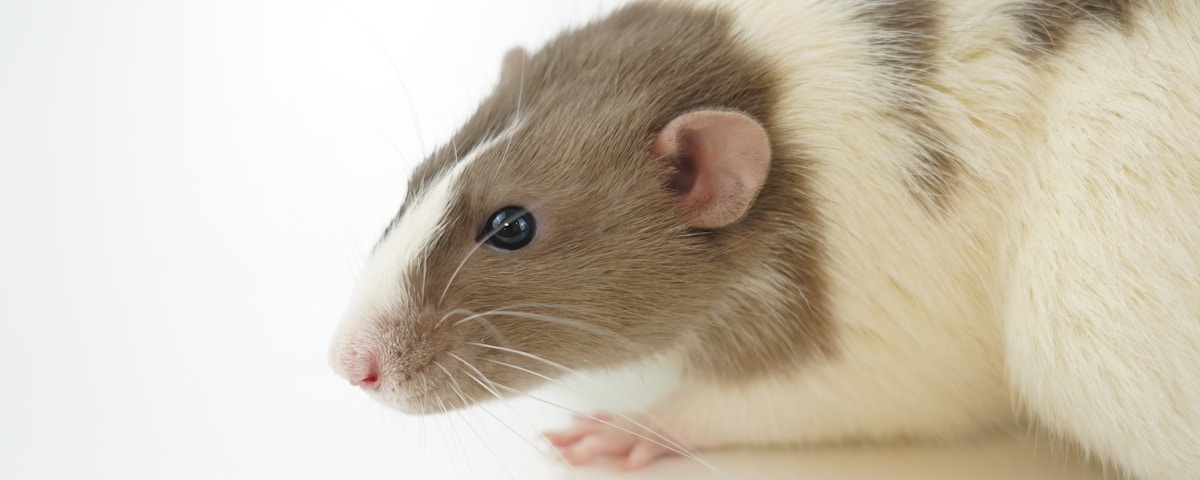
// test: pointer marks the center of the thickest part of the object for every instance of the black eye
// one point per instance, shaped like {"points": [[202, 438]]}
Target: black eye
{"points": [[509, 228]]}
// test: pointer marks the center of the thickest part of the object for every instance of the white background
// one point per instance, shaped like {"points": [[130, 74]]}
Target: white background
{"points": [[187, 190]]}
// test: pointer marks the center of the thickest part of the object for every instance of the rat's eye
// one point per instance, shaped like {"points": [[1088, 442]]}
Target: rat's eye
{"points": [[509, 228]]}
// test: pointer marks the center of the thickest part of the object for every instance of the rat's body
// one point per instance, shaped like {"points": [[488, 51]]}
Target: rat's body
{"points": [[853, 220]]}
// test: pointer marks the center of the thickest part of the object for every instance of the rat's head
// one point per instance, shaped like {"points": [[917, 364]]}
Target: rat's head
{"points": [[581, 218]]}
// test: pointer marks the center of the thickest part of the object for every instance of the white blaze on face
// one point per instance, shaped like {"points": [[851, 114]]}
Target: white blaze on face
{"points": [[380, 292]]}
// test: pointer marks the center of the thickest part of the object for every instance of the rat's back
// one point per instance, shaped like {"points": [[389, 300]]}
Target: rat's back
{"points": [[1019, 182]]}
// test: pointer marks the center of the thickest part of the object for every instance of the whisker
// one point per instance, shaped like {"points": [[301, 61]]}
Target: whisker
{"points": [[677, 448], [475, 247], [562, 384], [481, 318], [495, 394], [679, 451], [505, 425], [476, 370], [579, 325], [443, 430], [673, 446], [412, 106], [447, 315], [481, 242], [463, 396], [454, 432], [467, 257], [592, 313], [526, 355], [383, 133]]}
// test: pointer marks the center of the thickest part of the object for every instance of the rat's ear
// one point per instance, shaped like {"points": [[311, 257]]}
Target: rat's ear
{"points": [[513, 65], [721, 160]]}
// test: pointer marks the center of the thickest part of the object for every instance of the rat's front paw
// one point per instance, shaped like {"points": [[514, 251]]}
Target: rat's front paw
{"points": [[599, 435]]}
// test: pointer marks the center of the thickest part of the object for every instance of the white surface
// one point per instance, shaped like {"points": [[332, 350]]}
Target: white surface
{"points": [[187, 190]]}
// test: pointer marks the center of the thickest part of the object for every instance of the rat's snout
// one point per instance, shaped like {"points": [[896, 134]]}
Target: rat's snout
{"points": [[361, 368], [367, 378], [394, 358]]}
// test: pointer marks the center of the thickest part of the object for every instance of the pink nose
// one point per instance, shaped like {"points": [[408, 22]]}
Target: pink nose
{"points": [[370, 381], [360, 368]]}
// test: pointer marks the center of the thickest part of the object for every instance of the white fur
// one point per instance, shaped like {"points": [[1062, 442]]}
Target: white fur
{"points": [[1103, 312], [380, 292], [1064, 274]]}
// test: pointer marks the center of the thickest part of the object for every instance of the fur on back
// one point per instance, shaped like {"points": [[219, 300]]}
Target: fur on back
{"points": [[1009, 192]]}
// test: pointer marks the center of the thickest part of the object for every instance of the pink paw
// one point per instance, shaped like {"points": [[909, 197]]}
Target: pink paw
{"points": [[595, 436]]}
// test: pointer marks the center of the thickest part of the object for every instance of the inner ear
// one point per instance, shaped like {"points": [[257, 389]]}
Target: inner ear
{"points": [[683, 178], [720, 161]]}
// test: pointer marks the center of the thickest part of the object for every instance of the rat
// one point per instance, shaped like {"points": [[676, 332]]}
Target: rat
{"points": [[849, 221]]}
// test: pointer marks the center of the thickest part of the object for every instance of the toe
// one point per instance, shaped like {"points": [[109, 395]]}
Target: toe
{"points": [[594, 436], [565, 437], [643, 453], [595, 446]]}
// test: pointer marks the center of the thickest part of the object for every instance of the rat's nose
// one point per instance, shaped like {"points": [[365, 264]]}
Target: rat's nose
{"points": [[368, 381], [361, 368]]}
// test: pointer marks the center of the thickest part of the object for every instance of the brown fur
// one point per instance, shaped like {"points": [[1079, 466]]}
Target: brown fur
{"points": [[906, 42], [611, 246], [1048, 24], [906, 33]]}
